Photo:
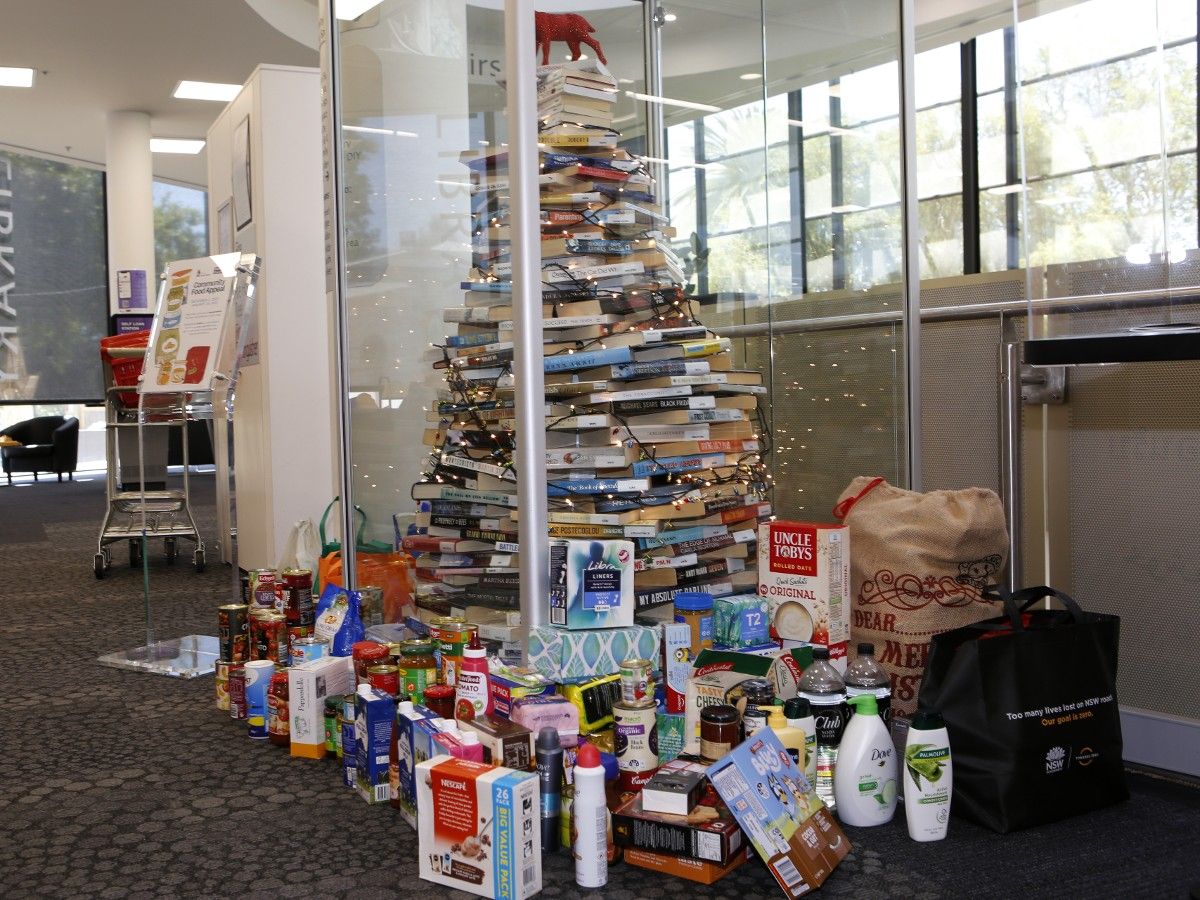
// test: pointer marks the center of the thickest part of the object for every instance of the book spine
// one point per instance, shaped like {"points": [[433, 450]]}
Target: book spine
{"points": [[647, 467], [655, 368], [565, 362], [665, 404]]}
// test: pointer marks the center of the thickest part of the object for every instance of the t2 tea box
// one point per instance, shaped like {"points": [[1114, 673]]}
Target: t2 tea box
{"points": [[804, 575], [591, 583], [479, 828]]}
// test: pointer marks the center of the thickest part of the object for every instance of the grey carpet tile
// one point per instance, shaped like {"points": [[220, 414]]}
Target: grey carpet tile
{"points": [[122, 785]]}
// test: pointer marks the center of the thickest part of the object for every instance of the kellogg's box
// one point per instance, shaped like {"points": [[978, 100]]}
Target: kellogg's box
{"points": [[804, 575]]}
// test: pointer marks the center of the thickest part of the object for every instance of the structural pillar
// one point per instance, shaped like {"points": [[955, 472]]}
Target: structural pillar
{"points": [[129, 189]]}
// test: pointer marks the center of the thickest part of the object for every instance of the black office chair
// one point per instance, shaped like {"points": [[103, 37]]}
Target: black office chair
{"points": [[48, 444]]}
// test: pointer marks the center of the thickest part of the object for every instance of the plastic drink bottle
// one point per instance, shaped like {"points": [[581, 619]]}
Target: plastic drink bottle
{"points": [[549, 755], [866, 676], [928, 777], [823, 688], [866, 780], [798, 713], [589, 820]]}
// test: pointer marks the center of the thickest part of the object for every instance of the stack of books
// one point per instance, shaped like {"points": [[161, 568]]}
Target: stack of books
{"points": [[652, 435]]}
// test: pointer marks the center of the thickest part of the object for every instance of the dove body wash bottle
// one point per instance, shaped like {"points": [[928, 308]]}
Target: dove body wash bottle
{"points": [[928, 778]]}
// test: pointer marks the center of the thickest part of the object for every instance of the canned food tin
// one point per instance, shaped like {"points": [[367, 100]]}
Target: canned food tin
{"points": [[450, 634], [333, 733], [308, 648], [237, 691], [440, 699], [297, 596], [370, 605], [262, 587], [268, 637], [384, 678], [244, 586], [296, 633], [233, 632], [366, 654], [636, 737], [636, 683], [222, 679], [349, 753], [418, 668], [277, 710]]}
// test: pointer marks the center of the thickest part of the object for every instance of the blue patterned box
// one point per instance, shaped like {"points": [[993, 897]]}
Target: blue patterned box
{"points": [[563, 655]]}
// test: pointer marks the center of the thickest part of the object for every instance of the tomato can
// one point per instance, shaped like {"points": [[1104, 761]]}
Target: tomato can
{"points": [[233, 624], [384, 678], [268, 637], [636, 681], [297, 596], [450, 634], [636, 735], [370, 603], [277, 710], [262, 587], [222, 680], [237, 691]]}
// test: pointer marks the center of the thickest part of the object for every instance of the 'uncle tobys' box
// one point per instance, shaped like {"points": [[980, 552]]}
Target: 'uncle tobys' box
{"points": [[479, 828], [804, 574]]}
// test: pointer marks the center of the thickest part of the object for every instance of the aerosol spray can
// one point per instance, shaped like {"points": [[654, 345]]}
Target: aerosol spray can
{"points": [[550, 774], [589, 820]]}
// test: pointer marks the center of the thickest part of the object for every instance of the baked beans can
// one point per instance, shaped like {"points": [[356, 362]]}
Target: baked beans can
{"points": [[277, 710], [262, 587], [233, 623], [384, 678], [237, 691], [635, 727], [298, 598], [366, 654], [308, 648], [222, 679], [370, 605], [268, 637], [636, 681], [450, 634]]}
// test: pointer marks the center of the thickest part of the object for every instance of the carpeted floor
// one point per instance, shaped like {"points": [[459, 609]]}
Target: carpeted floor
{"points": [[119, 784]]}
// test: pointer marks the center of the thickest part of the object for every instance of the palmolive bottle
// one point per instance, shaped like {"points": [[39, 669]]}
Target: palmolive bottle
{"points": [[824, 689], [866, 676]]}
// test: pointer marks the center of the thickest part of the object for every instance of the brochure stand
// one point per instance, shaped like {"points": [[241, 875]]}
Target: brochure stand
{"points": [[191, 353]]}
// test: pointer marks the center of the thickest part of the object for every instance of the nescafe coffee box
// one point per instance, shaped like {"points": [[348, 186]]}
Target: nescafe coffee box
{"points": [[804, 575], [479, 828], [709, 833]]}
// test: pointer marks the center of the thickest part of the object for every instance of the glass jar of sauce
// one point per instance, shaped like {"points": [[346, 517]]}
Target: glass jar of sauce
{"points": [[720, 731]]}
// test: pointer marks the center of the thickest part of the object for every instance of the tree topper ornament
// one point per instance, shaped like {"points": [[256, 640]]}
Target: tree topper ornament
{"points": [[571, 28]]}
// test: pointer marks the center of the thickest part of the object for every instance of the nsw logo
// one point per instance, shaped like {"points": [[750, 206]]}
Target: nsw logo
{"points": [[1056, 760]]}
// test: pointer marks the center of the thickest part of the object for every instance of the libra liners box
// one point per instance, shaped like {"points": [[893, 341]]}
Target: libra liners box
{"points": [[479, 828], [591, 584]]}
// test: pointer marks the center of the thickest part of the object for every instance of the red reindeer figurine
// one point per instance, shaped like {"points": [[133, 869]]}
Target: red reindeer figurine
{"points": [[571, 28]]}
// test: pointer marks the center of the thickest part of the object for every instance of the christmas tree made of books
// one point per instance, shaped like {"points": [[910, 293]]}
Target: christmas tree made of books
{"points": [[651, 435]]}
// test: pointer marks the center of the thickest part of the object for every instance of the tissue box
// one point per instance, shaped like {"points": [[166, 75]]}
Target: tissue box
{"points": [[563, 655], [479, 828], [591, 584]]}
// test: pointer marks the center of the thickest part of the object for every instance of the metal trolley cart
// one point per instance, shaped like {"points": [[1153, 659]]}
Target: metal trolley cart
{"points": [[131, 515]]}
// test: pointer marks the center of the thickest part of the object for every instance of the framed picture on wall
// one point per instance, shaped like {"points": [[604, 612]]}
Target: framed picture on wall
{"points": [[225, 226], [242, 213]]}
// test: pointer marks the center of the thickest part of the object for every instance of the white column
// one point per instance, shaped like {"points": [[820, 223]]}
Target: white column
{"points": [[130, 200]]}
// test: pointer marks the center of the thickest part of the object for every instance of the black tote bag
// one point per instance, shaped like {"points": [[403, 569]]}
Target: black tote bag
{"points": [[1030, 703]]}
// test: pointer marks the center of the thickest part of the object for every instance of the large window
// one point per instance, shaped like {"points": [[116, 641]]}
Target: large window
{"points": [[180, 223], [53, 280]]}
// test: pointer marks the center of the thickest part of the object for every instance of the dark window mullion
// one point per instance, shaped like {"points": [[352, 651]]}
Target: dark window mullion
{"points": [[796, 194], [970, 162]]}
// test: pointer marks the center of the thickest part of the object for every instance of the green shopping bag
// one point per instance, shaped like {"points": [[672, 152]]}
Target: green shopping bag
{"points": [[360, 543]]}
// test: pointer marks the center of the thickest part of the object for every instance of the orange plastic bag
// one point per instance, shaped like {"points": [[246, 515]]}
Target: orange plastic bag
{"points": [[392, 572]]}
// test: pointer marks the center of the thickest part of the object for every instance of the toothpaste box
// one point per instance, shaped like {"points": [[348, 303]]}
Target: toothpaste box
{"points": [[479, 828], [804, 575], [677, 664], [591, 583], [779, 812], [374, 715], [406, 785], [309, 683]]}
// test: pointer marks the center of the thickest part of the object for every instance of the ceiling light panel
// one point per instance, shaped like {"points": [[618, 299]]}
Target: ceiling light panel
{"points": [[206, 90], [175, 145], [15, 76]]}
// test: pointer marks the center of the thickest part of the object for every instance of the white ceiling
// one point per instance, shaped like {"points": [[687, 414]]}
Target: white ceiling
{"points": [[94, 56]]}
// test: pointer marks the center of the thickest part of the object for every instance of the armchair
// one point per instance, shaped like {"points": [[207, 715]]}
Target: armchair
{"points": [[48, 444]]}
